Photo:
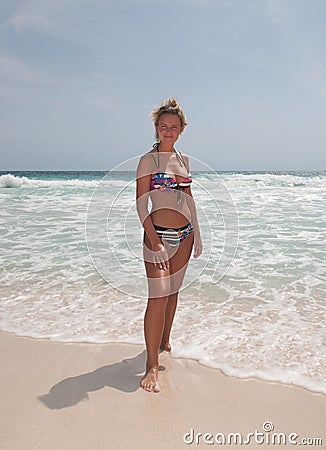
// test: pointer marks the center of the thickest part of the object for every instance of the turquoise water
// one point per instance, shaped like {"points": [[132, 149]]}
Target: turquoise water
{"points": [[252, 305]]}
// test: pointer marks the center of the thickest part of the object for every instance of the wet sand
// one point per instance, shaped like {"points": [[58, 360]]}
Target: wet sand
{"points": [[87, 396]]}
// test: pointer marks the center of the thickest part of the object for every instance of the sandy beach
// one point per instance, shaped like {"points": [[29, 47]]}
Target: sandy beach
{"points": [[86, 396]]}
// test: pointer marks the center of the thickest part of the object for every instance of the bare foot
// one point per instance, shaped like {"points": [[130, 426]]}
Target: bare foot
{"points": [[165, 346], [150, 380]]}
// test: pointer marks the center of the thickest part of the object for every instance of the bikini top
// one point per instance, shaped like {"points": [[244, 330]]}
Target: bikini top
{"points": [[163, 182]]}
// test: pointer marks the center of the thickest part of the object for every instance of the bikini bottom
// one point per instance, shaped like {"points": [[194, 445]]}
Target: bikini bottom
{"points": [[174, 236]]}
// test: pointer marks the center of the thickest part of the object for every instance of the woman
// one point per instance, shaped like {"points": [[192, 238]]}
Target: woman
{"points": [[170, 230]]}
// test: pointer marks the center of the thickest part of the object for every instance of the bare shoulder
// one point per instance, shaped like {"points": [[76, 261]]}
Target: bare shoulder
{"points": [[185, 158], [145, 165]]}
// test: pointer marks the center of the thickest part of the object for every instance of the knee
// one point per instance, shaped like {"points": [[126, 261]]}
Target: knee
{"points": [[159, 288], [157, 303]]}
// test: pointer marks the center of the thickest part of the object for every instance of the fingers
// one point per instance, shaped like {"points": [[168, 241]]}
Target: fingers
{"points": [[161, 260], [197, 251], [157, 254]]}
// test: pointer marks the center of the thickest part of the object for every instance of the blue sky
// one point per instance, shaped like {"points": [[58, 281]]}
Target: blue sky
{"points": [[78, 79]]}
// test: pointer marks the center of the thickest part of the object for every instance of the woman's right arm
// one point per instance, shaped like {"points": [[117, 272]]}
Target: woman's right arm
{"points": [[142, 195], [159, 255]]}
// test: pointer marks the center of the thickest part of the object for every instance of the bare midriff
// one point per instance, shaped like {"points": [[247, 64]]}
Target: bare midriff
{"points": [[167, 212]]}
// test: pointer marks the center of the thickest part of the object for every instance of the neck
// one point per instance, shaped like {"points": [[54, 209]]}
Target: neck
{"points": [[165, 147]]}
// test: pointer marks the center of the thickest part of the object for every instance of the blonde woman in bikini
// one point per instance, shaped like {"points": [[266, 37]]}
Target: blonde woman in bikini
{"points": [[171, 230]]}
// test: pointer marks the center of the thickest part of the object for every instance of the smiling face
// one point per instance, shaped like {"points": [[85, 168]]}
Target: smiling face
{"points": [[168, 128]]}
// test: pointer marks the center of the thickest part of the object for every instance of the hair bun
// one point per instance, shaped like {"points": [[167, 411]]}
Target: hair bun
{"points": [[172, 102]]}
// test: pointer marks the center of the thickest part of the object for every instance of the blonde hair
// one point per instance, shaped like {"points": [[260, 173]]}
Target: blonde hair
{"points": [[170, 106]]}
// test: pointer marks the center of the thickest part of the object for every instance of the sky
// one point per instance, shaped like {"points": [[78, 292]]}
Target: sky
{"points": [[79, 78]]}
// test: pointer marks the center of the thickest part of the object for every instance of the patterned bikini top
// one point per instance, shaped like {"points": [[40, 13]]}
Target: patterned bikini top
{"points": [[163, 182]]}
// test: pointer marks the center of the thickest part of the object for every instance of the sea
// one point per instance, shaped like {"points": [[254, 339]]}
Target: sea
{"points": [[252, 305]]}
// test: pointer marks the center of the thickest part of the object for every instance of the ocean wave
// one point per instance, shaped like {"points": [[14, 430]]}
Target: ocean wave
{"points": [[263, 319], [14, 181], [11, 181]]}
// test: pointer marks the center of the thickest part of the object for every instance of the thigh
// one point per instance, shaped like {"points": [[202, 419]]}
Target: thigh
{"points": [[179, 262], [159, 280]]}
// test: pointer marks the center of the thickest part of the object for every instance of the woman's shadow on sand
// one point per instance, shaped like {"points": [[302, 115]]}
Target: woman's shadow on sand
{"points": [[123, 375]]}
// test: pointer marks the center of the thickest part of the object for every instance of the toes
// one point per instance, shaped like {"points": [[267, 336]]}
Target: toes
{"points": [[149, 383], [146, 386]]}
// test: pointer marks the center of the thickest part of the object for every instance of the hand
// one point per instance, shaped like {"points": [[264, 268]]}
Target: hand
{"points": [[198, 246], [160, 256]]}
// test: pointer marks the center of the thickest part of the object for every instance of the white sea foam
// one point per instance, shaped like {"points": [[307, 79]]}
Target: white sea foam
{"points": [[13, 181], [265, 318]]}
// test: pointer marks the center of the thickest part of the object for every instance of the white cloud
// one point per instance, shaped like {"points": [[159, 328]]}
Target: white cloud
{"points": [[34, 14], [46, 16], [80, 22]]}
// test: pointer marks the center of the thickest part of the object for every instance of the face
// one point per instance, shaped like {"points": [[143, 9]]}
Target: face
{"points": [[168, 128]]}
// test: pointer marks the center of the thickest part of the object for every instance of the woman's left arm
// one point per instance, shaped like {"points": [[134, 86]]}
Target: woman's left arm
{"points": [[198, 246]]}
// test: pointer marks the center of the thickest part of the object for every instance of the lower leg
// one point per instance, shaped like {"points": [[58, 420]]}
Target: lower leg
{"points": [[178, 265], [153, 329], [169, 316]]}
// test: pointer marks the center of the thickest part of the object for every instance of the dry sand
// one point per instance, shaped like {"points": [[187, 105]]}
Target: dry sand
{"points": [[87, 396]]}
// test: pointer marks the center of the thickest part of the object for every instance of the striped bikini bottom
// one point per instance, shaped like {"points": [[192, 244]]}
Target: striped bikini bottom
{"points": [[174, 236]]}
